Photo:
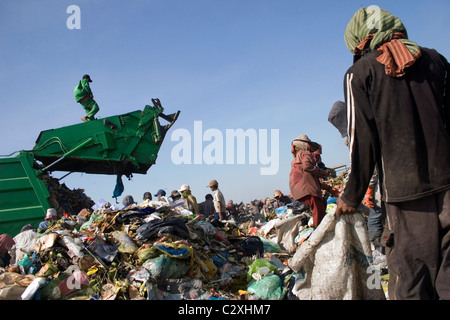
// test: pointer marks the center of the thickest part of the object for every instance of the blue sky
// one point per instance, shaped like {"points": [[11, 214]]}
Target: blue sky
{"points": [[234, 64]]}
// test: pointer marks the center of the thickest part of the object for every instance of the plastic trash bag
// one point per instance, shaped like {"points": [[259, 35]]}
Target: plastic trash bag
{"points": [[64, 285], [74, 245], [281, 210], [119, 188], [94, 217], [303, 235], [268, 288], [25, 261], [207, 227], [152, 229], [103, 250], [126, 243], [32, 289], [287, 230], [257, 264], [252, 246], [173, 250], [336, 261], [164, 267]]}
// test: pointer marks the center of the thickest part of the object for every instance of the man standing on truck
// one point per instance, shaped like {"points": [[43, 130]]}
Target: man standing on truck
{"points": [[84, 96]]}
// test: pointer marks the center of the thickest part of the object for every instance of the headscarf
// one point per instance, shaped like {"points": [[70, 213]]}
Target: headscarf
{"points": [[373, 27], [338, 117], [128, 200]]}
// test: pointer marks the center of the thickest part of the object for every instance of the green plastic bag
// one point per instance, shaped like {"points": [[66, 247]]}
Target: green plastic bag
{"points": [[25, 262], [164, 267], [268, 288], [258, 264]]}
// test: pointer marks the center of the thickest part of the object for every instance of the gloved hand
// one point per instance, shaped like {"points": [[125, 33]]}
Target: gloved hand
{"points": [[368, 198]]}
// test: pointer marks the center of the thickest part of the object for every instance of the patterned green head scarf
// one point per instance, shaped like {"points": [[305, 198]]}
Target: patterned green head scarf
{"points": [[372, 28], [378, 22]]}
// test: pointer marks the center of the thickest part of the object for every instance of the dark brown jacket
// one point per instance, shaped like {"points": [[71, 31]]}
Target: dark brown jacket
{"points": [[401, 125]]}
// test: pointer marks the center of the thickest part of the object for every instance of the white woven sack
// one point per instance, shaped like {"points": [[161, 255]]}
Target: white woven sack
{"points": [[336, 262]]}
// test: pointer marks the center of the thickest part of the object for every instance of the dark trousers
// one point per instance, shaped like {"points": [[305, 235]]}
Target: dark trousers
{"points": [[418, 248]]}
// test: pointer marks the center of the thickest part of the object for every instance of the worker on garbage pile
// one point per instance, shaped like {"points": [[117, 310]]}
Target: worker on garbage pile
{"points": [[177, 200], [175, 195], [304, 177], [398, 105], [84, 96], [6, 243], [161, 195], [206, 207], [317, 156], [185, 191], [219, 200], [372, 199], [50, 218], [280, 199], [147, 196], [25, 241], [232, 209], [146, 199], [128, 201]]}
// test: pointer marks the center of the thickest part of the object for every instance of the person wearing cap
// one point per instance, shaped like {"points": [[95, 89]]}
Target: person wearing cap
{"points": [[185, 191], [280, 199], [49, 220], [161, 195], [84, 96], [177, 200], [398, 111], [219, 201], [304, 177], [175, 195]]}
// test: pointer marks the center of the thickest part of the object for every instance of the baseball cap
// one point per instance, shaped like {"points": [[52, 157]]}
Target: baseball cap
{"points": [[213, 183], [160, 192], [87, 77], [184, 187]]}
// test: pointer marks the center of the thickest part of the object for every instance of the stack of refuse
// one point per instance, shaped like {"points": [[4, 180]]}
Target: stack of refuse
{"points": [[145, 251], [63, 199], [160, 251]]}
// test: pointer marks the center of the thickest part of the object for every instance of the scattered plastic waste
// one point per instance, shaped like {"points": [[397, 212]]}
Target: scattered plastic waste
{"points": [[158, 251]]}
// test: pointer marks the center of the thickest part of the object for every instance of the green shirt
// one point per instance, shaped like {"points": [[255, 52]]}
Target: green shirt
{"points": [[82, 90]]}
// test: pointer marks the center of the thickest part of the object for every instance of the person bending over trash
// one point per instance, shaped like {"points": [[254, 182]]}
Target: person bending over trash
{"points": [[304, 177]]}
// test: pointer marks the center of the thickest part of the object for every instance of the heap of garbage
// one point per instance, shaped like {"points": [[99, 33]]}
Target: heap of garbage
{"points": [[64, 199], [160, 251], [153, 251]]}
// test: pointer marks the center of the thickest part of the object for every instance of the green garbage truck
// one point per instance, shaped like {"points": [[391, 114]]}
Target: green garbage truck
{"points": [[116, 145]]}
